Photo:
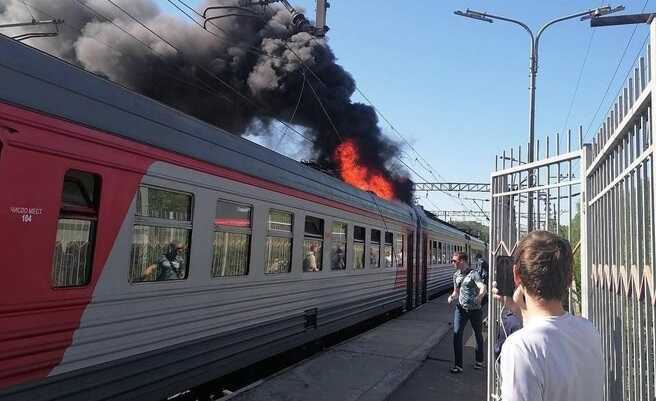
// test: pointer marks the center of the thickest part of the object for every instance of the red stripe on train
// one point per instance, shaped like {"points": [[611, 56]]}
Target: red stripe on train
{"points": [[38, 322]]}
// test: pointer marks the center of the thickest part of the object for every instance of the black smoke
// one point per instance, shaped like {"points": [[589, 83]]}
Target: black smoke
{"points": [[277, 70]]}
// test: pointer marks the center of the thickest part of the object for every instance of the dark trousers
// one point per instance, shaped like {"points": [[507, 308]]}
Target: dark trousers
{"points": [[460, 318]]}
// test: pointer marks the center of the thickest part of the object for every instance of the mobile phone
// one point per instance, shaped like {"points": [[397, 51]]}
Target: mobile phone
{"points": [[504, 275]]}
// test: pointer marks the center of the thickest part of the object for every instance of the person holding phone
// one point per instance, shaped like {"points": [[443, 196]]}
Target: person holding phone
{"points": [[554, 356], [469, 291]]}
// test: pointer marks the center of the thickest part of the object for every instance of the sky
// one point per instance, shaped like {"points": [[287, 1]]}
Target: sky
{"points": [[457, 89]]}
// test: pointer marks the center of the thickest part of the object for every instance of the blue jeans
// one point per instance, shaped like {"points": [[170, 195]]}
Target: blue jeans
{"points": [[460, 318]]}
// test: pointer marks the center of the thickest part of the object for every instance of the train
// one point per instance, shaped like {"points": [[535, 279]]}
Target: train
{"points": [[146, 252]]}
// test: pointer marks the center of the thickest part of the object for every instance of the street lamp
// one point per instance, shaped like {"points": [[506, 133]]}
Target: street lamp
{"points": [[533, 68]]}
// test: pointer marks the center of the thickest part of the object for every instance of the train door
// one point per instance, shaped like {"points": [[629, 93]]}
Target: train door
{"points": [[410, 273], [422, 263]]}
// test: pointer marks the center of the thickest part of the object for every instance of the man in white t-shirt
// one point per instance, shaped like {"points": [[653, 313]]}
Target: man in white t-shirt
{"points": [[555, 356]]}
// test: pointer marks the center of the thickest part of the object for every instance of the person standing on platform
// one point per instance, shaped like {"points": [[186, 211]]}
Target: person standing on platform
{"points": [[468, 292], [555, 356]]}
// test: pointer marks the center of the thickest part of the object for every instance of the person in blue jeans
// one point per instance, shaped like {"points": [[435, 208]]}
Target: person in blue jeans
{"points": [[468, 291]]}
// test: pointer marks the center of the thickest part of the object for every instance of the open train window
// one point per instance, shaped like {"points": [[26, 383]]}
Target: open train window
{"points": [[161, 235], [359, 234], [232, 239], [387, 249], [313, 244], [338, 250], [374, 249], [278, 258], [76, 230]]}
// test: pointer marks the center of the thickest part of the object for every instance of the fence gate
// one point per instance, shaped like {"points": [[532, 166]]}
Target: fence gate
{"points": [[601, 197]]}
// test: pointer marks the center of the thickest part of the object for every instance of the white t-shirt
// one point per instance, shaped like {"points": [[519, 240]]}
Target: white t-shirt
{"points": [[552, 359]]}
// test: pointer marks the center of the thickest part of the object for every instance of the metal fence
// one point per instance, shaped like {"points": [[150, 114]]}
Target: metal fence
{"points": [[601, 197], [620, 224], [556, 196]]}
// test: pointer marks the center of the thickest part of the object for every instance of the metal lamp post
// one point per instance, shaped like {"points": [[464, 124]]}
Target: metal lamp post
{"points": [[535, 40]]}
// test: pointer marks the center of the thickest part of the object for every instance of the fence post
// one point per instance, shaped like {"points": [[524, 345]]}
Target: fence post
{"points": [[584, 226]]}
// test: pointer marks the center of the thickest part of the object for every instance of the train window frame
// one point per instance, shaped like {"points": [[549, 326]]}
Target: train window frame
{"points": [[279, 234], [234, 229], [343, 242], [388, 247], [313, 236], [88, 213], [141, 221], [357, 243], [373, 244]]}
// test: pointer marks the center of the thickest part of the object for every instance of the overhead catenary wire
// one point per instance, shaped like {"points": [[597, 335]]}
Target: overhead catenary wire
{"points": [[291, 119], [29, 11], [578, 81]]}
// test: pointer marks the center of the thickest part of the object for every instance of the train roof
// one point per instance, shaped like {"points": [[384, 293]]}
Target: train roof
{"points": [[38, 81], [433, 223]]}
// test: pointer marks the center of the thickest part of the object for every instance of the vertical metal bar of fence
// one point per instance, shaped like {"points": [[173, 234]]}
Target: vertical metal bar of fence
{"points": [[584, 227]]}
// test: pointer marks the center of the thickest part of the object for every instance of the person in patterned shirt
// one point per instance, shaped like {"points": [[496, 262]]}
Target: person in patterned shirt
{"points": [[468, 293]]}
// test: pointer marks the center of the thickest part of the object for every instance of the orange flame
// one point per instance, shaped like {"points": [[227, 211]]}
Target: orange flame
{"points": [[365, 178]]}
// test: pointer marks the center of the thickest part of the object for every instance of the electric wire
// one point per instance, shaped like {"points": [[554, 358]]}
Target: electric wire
{"points": [[28, 10], [291, 119], [578, 81]]}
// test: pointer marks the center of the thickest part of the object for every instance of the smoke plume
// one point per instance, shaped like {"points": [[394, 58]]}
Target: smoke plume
{"points": [[262, 58]]}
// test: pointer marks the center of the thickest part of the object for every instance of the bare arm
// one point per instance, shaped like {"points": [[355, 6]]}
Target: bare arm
{"points": [[454, 294], [482, 290]]}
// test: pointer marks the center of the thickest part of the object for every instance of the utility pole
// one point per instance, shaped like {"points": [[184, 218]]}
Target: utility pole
{"points": [[533, 69]]}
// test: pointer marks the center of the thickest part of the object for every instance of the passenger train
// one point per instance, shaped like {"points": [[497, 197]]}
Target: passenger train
{"points": [[145, 252]]}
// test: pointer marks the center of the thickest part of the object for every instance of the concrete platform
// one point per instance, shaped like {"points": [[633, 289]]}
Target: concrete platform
{"points": [[369, 367], [433, 381]]}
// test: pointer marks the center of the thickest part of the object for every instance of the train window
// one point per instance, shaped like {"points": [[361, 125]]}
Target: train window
{"points": [[398, 250], [313, 244], [338, 251], [435, 259], [387, 249], [358, 247], [374, 249], [232, 239], [279, 242], [76, 230], [161, 235], [440, 256]]}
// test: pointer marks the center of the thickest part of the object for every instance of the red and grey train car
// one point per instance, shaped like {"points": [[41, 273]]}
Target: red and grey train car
{"points": [[98, 183]]}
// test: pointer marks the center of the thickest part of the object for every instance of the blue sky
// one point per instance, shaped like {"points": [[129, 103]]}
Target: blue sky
{"points": [[457, 88]]}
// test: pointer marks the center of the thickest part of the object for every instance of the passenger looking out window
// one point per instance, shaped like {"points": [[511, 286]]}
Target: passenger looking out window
{"points": [[313, 244], [232, 239], [161, 235], [278, 253], [338, 251], [359, 235], [374, 249]]}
